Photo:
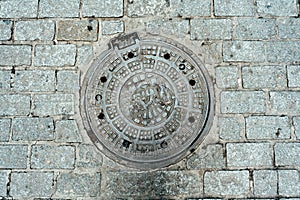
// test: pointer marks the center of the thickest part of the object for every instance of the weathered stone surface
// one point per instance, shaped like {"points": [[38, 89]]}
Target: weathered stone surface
{"points": [[112, 27], [249, 154], [31, 184], [252, 29], [289, 28], [287, 154], [100, 8], [243, 102], [88, 157], [247, 51], [234, 8], [277, 8], [15, 55], [59, 8], [85, 54], [28, 129], [5, 125], [34, 30], [14, 104], [210, 157], [190, 8], [67, 81], [285, 102], [144, 8], [293, 73], [227, 76], [5, 29], [283, 51], [265, 183], [34, 81], [52, 157], [178, 27], [67, 131], [55, 55], [226, 183], [53, 104], [4, 81], [13, 156], [296, 121], [210, 29], [3, 182], [230, 128], [18, 9], [289, 183]]}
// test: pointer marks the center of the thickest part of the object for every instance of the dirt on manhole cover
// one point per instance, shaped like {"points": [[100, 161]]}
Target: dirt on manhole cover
{"points": [[146, 102]]}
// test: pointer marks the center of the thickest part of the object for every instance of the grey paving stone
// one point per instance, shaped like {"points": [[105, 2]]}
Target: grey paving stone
{"points": [[5, 125], [144, 8], [72, 185], [14, 104], [85, 54], [227, 76], [52, 157], [265, 183], [285, 102], [53, 104], [287, 154], [289, 28], [5, 29], [259, 77], [253, 29], [245, 51], [4, 81], [15, 55], [277, 8], [210, 157], [249, 154], [13, 156], [18, 9], [178, 27], [34, 81], [112, 27], [230, 128], [226, 183], [234, 8], [67, 81], [289, 183], [243, 102], [210, 29], [100, 8], [59, 8], [190, 8], [31, 184], [88, 157], [296, 121], [3, 182], [55, 55], [34, 30], [293, 73], [67, 131], [28, 129], [268, 127], [283, 51]]}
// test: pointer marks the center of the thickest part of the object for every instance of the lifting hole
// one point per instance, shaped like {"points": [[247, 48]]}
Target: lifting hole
{"points": [[182, 66], [192, 82], [126, 144], [130, 55], [191, 119], [101, 116], [103, 79], [98, 97], [164, 144], [167, 56]]}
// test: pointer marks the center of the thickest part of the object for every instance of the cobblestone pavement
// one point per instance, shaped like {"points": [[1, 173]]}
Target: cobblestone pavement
{"points": [[251, 49]]}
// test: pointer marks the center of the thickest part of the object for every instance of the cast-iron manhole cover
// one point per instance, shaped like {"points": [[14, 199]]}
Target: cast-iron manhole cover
{"points": [[146, 102]]}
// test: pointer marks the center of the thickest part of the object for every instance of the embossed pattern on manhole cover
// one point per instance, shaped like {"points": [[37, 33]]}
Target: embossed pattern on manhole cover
{"points": [[146, 102]]}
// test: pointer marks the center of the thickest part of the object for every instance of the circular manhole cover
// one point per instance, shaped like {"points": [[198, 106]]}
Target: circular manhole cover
{"points": [[146, 102]]}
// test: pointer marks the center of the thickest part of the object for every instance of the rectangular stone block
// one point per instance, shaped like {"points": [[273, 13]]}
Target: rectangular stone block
{"points": [[67, 131], [28, 129], [34, 81], [52, 157], [230, 128], [78, 30], [249, 154], [18, 9], [296, 122], [190, 8], [289, 183], [244, 51], [88, 157], [31, 184], [234, 8], [289, 28], [100, 8], [3, 183], [227, 76], [293, 73], [53, 104], [210, 29], [176, 26], [265, 183], [287, 154], [268, 127], [143, 8], [55, 55], [260, 77], [243, 102], [5, 125], [112, 27], [15, 55], [253, 29], [5, 29], [5, 81], [226, 183], [283, 51], [13, 156], [67, 81], [14, 104], [85, 54], [285, 102], [282, 8], [59, 8]]}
